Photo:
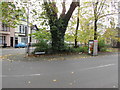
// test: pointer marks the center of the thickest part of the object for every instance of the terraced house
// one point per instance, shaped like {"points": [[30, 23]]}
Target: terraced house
{"points": [[6, 35], [12, 36], [21, 34]]}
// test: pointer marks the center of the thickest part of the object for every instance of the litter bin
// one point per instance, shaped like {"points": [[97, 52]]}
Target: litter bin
{"points": [[4, 45]]}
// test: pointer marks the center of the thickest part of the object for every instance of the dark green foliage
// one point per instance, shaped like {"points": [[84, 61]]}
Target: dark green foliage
{"points": [[42, 46], [83, 49], [103, 49], [102, 45]]}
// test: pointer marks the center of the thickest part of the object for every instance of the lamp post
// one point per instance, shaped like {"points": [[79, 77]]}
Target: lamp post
{"points": [[28, 28], [33, 27]]}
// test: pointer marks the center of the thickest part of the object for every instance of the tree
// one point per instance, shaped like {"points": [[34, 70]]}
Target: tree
{"points": [[11, 15], [110, 34], [101, 10], [85, 30], [70, 33], [42, 34], [58, 25], [98, 9], [76, 31]]}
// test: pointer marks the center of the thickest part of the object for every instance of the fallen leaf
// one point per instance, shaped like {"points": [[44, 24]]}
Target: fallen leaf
{"points": [[29, 82], [114, 86], [70, 83], [72, 72], [54, 80]]}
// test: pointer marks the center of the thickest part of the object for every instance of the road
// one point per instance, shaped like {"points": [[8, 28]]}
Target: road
{"points": [[91, 72], [12, 51]]}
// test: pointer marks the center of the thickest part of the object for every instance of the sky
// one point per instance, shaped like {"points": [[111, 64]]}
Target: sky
{"points": [[67, 5]]}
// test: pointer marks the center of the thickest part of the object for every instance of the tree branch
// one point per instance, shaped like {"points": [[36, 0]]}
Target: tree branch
{"points": [[101, 7], [70, 11], [64, 9], [51, 11], [106, 15]]}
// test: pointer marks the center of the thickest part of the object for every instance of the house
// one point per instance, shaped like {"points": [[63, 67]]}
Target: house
{"points": [[21, 34], [13, 36], [6, 35]]}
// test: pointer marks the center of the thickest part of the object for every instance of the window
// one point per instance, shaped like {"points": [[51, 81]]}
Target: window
{"points": [[20, 28], [23, 29], [2, 40], [26, 29], [5, 28], [24, 40]]}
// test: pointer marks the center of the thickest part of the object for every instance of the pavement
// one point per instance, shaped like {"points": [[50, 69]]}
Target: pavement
{"points": [[19, 54], [60, 71]]}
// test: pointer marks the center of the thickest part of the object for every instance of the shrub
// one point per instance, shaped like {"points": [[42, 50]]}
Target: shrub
{"points": [[103, 49], [83, 49], [42, 46], [101, 45]]}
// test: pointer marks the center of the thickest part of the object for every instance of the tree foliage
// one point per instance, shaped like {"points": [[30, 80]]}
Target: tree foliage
{"points": [[58, 25], [85, 30], [87, 17], [111, 32], [53, 23], [42, 34], [11, 15]]}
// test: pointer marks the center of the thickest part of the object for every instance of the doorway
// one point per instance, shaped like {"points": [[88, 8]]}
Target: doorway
{"points": [[11, 41]]}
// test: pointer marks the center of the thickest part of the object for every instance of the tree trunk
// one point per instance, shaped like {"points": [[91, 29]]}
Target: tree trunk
{"points": [[58, 26], [95, 30], [58, 32], [75, 43], [76, 31], [58, 42]]}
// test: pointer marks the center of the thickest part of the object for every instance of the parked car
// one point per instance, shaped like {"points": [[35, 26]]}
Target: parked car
{"points": [[20, 45]]}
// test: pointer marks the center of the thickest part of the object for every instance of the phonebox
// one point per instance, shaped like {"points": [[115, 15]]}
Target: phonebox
{"points": [[93, 47]]}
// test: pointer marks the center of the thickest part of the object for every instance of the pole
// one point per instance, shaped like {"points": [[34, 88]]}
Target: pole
{"points": [[28, 45]]}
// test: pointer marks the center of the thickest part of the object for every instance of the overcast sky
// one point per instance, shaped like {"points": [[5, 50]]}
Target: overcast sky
{"points": [[68, 5]]}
